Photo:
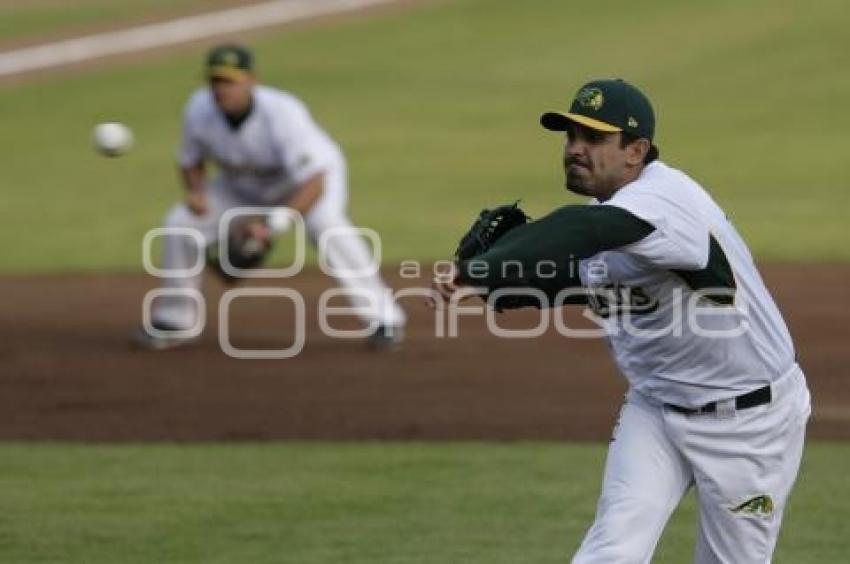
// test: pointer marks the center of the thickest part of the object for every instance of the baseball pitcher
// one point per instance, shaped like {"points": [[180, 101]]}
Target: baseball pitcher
{"points": [[716, 399], [269, 152]]}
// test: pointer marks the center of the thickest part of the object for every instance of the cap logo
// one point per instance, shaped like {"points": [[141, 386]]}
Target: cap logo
{"points": [[590, 98], [230, 59], [632, 122]]}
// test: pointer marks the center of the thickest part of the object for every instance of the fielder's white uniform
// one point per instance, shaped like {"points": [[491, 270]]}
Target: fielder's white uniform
{"points": [[741, 462], [276, 149]]}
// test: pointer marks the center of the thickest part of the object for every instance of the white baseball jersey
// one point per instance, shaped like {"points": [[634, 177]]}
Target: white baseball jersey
{"points": [[278, 147], [261, 163], [663, 335]]}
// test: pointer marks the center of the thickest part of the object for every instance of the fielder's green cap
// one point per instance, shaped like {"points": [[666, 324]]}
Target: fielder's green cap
{"points": [[609, 105], [230, 62]]}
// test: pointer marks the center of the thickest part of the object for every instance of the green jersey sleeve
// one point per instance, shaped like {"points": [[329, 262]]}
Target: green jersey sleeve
{"points": [[544, 254]]}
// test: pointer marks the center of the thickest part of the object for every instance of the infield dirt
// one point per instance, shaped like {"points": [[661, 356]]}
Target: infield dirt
{"points": [[67, 370]]}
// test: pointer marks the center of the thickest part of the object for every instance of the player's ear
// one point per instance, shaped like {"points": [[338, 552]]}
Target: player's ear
{"points": [[637, 150]]}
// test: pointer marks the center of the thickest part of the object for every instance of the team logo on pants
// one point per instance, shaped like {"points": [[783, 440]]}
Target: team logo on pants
{"points": [[759, 505]]}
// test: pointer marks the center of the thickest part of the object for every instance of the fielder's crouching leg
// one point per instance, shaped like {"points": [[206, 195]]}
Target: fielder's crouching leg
{"points": [[180, 254]]}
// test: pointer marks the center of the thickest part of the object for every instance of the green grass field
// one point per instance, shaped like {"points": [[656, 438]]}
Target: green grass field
{"points": [[356, 503], [437, 108]]}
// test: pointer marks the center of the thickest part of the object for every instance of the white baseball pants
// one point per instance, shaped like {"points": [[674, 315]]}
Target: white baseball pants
{"points": [[741, 463]]}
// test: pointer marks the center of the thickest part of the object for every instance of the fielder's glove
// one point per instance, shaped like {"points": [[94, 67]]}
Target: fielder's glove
{"points": [[244, 250], [491, 225]]}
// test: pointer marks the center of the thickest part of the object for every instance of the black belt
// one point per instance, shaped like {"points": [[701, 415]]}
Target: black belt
{"points": [[751, 399]]}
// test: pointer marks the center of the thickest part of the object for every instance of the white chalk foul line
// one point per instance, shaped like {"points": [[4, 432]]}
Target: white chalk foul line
{"points": [[172, 32]]}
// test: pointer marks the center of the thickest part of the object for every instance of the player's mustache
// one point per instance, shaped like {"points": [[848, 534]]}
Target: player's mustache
{"points": [[577, 161]]}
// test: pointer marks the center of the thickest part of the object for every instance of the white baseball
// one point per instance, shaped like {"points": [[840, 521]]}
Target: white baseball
{"points": [[112, 139]]}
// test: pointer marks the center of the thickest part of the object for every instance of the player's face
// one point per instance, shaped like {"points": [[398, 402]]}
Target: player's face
{"points": [[594, 162], [232, 96]]}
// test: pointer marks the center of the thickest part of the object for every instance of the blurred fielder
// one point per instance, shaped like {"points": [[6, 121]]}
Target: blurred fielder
{"points": [[269, 152], [716, 399]]}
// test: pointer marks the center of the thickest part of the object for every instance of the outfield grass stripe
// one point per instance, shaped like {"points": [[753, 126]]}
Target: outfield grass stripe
{"points": [[172, 32], [358, 503], [436, 107]]}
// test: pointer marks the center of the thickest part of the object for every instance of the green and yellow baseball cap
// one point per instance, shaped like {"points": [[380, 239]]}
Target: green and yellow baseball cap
{"points": [[608, 105], [230, 62]]}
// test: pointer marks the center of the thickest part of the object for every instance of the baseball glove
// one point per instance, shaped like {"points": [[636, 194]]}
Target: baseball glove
{"points": [[490, 226], [244, 251]]}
